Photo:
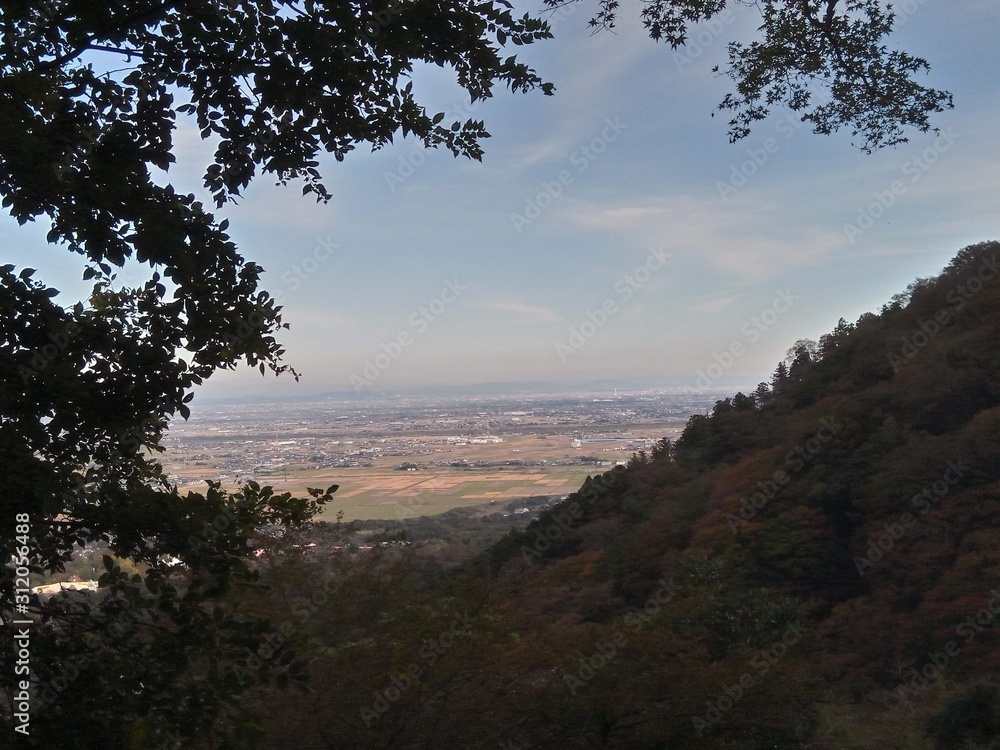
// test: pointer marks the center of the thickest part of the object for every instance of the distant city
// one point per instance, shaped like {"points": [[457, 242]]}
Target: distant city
{"points": [[473, 448]]}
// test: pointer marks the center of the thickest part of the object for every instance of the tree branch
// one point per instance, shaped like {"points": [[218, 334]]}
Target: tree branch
{"points": [[125, 24]]}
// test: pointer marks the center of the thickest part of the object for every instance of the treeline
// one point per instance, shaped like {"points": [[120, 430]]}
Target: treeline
{"points": [[815, 564]]}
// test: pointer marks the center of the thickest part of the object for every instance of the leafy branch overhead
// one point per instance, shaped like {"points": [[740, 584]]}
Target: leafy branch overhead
{"points": [[90, 97], [824, 59], [91, 94]]}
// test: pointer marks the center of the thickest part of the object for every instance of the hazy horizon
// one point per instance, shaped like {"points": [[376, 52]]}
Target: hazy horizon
{"points": [[497, 391]]}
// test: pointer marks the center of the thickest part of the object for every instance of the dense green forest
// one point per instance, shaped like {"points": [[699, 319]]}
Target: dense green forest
{"points": [[815, 564]]}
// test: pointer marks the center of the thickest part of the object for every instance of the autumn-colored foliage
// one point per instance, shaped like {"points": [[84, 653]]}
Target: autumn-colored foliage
{"points": [[813, 565]]}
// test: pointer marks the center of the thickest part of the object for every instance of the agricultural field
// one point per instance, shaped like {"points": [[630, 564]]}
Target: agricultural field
{"points": [[367, 493], [432, 485], [401, 461]]}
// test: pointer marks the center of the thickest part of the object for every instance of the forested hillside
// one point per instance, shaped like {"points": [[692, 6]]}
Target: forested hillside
{"points": [[812, 565], [815, 564]]}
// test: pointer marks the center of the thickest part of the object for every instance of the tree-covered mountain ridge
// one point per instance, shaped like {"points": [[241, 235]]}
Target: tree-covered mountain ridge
{"points": [[813, 565], [853, 497]]}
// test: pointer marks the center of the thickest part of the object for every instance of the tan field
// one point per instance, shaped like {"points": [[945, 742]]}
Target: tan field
{"points": [[371, 493], [384, 491]]}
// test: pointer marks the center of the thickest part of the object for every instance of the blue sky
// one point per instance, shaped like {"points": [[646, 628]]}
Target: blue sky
{"points": [[611, 231]]}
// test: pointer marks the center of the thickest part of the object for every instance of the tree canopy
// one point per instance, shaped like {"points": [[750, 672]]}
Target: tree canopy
{"points": [[90, 98], [824, 59]]}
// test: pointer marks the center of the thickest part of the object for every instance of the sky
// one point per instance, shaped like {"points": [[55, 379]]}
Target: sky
{"points": [[611, 232]]}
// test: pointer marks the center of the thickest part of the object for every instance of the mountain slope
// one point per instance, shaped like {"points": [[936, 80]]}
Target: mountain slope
{"points": [[862, 482], [816, 564]]}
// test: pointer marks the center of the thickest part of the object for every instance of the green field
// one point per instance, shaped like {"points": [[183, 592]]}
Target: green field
{"points": [[388, 494]]}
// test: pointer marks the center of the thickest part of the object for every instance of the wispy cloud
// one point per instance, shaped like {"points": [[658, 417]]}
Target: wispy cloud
{"points": [[736, 238], [515, 310], [712, 305]]}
